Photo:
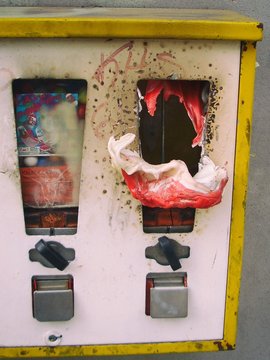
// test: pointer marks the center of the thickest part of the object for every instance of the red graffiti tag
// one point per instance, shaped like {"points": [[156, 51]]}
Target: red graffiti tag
{"points": [[142, 64], [99, 73], [167, 57]]}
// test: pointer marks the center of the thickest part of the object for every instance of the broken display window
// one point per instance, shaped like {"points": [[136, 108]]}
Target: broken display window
{"points": [[167, 132], [49, 116]]}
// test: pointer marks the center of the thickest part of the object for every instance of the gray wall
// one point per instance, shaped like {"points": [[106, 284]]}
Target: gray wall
{"points": [[253, 341]]}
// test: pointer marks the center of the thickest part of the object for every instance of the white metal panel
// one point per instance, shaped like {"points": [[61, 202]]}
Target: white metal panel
{"points": [[110, 268]]}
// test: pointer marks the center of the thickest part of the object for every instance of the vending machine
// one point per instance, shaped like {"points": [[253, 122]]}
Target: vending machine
{"points": [[123, 175]]}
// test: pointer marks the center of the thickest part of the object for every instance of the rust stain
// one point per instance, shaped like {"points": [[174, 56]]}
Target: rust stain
{"points": [[244, 46], [23, 353], [223, 345], [198, 346], [248, 130]]}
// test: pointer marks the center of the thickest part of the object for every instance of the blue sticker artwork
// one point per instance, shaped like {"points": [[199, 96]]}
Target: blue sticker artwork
{"points": [[31, 136]]}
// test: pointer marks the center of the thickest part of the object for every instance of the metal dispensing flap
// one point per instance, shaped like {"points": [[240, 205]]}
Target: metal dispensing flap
{"points": [[53, 298], [167, 295]]}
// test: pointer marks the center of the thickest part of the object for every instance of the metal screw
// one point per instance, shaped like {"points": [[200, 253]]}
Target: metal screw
{"points": [[54, 338]]}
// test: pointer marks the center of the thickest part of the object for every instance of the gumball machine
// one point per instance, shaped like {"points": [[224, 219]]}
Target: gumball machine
{"points": [[123, 169]]}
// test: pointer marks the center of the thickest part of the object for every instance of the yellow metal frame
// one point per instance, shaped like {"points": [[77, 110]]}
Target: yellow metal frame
{"points": [[128, 23], [207, 25]]}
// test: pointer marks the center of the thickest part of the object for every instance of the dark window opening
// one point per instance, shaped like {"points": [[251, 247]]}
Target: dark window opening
{"points": [[166, 135], [49, 116]]}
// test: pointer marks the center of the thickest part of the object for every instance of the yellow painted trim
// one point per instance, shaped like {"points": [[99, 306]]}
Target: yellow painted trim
{"points": [[245, 103], [116, 350], [202, 24]]}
